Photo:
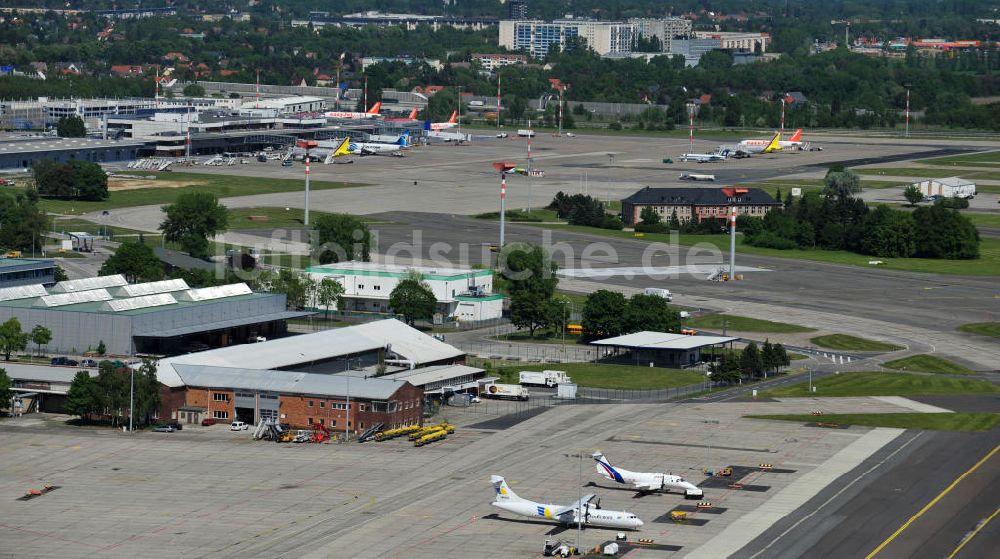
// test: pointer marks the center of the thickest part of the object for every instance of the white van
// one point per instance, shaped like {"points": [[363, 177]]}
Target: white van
{"points": [[238, 426], [659, 292]]}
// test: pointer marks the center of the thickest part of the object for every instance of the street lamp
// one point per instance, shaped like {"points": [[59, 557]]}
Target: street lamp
{"points": [[307, 145]]}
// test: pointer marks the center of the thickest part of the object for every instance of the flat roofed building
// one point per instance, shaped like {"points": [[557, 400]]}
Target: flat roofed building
{"points": [[352, 403], [462, 294], [434, 380], [26, 271], [662, 349], [696, 203], [535, 37], [22, 154]]}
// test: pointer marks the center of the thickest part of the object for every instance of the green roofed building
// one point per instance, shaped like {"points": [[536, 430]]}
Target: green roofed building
{"points": [[463, 294], [162, 317]]}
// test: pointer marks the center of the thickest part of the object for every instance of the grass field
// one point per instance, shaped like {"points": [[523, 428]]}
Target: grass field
{"points": [[617, 377], [983, 219], [928, 172], [987, 265], [927, 364], [536, 215], [991, 329], [843, 342], [961, 421], [885, 384], [77, 224], [989, 158], [222, 186], [744, 324]]}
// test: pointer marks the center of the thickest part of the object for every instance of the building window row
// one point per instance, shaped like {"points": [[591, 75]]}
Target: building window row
{"points": [[220, 397], [220, 414]]}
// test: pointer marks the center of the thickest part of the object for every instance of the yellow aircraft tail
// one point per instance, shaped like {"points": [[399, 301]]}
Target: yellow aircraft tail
{"points": [[774, 144], [344, 148]]}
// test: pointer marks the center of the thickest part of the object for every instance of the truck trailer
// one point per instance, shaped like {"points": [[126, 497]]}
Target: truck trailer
{"points": [[544, 378], [505, 391]]}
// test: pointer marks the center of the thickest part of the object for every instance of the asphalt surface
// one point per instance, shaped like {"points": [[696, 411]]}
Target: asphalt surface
{"points": [[854, 515]]}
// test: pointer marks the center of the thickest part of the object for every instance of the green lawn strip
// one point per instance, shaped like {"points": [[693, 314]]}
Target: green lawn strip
{"points": [[885, 384], [982, 328], [960, 421], [844, 342], [577, 300], [928, 172], [546, 337], [987, 265], [82, 225], [743, 324], [617, 377], [927, 364], [223, 186], [273, 218], [983, 219], [536, 216], [987, 157]]}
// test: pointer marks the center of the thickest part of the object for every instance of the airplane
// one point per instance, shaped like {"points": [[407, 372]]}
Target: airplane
{"points": [[350, 115], [438, 126], [409, 118], [403, 138], [646, 482], [446, 136], [702, 157], [375, 148], [593, 514], [762, 146], [326, 150], [795, 141]]}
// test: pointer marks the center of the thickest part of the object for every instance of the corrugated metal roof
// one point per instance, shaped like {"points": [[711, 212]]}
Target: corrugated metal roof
{"points": [[287, 382], [73, 298], [436, 373], [219, 325], [44, 373], [406, 342], [663, 340], [149, 288], [87, 284], [22, 292]]}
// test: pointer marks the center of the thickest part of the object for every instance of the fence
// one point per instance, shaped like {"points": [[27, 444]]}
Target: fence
{"points": [[531, 353]]}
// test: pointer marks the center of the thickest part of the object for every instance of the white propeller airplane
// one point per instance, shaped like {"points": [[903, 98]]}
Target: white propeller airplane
{"points": [[592, 513], [703, 157], [646, 482]]}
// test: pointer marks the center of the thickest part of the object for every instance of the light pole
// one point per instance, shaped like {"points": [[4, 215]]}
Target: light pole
{"points": [[690, 108], [131, 398], [530, 162], [810, 380], [732, 242], [306, 145], [907, 130], [579, 513]]}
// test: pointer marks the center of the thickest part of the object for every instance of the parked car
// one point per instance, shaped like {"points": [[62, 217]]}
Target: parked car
{"points": [[238, 426], [164, 429], [88, 363], [287, 163], [501, 134], [65, 361], [208, 422]]}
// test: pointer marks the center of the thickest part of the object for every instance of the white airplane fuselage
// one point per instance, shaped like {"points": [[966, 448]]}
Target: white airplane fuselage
{"points": [[593, 516], [642, 481]]}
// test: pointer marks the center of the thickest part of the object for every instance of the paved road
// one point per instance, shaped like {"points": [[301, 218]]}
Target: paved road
{"points": [[855, 514]]}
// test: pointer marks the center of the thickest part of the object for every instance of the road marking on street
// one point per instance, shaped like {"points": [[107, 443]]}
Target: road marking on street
{"points": [[971, 535], [933, 502]]}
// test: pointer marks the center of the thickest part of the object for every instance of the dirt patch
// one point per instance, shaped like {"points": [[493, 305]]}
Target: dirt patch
{"points": [[135, 184]]}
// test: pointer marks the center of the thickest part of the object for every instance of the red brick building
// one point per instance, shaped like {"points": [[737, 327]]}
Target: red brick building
{"points": [[697, 203], [299, 399]]}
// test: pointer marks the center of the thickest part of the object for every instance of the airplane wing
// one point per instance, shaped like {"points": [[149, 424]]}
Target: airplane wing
{"points": [[579, 504], [644, 486]]}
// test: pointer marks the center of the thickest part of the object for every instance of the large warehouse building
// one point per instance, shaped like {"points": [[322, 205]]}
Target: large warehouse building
{"points": [[159, 317], [330, 377]]}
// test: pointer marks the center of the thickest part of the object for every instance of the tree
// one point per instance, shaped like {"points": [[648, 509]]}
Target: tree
{"points": [[912, 194], [602, 315], [342, 238], [529, 309], [841, 184], [768, 359], [650, 312], [328, 294], [71, 127], [528, 267], [945, 233], [781, 358], [751, 362], [5, 392], [80, 180], [650, 216], [147, 392], [134, 260], [194, 90], [112, 391], [295, 286], [12, 338], [413, 299], [101, 348], [60, 274], [192, 220], [81, 398], [40, 336], [726, 370], [91, 181]]}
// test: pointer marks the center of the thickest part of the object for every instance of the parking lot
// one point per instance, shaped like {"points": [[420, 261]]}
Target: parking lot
{"points": [[206, 491]]}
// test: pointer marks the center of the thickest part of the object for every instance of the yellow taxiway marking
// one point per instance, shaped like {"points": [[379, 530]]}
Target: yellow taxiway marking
{"points": [[933, 502], [968, 538]]}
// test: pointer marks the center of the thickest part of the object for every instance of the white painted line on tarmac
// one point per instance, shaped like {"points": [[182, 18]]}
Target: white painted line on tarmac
{"points": [[912, 404]]}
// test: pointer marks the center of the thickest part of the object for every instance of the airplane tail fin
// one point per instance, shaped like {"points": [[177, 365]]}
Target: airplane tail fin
{"points": [[605, 468], [375, 108], [413, 114], [404, 138], [454, 115], [503, 491], [797, 136], [344, 148], [773, 145], [427, 125]]}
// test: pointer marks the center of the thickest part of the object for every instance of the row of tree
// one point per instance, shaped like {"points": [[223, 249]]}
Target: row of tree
{"points": [[582, 209], [22, 223], [106, 397], [14, 339], [607, 314], [73, 180], [751, 362]]}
